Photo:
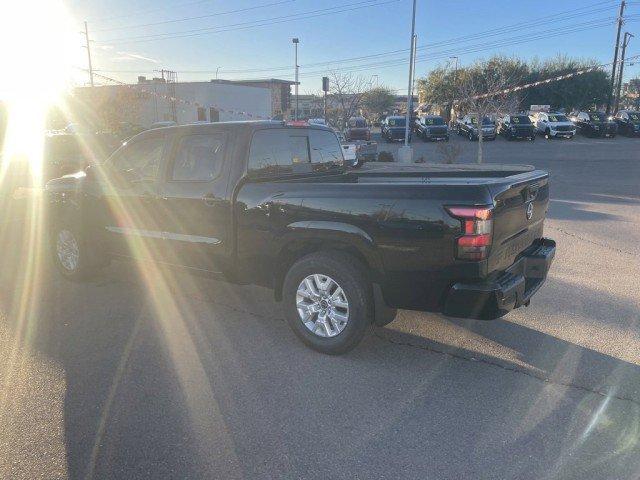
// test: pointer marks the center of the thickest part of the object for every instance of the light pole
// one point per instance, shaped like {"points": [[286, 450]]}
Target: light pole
{"points": [[295, 43], [455, 84], [405, 154]]}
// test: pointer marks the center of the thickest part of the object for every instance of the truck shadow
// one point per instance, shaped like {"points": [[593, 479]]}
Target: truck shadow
{"points": [[209, 382]]}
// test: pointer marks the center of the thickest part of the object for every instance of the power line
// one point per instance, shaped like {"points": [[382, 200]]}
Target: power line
{"points": [[558, 31], [147, 10], [185, 19], [474, 48], [557, 17], [477, 47], [251, 24]]}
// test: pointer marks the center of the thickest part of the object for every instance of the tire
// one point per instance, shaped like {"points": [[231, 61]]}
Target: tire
{"points": [[471, 137], [72, 253], [532, 138], [345, 272], [547, 134]]}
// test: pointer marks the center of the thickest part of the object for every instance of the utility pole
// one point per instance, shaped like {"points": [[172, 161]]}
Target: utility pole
{"points": [[86, 36], [295, 43], [627, 38], [405, 154], [615, 56]]}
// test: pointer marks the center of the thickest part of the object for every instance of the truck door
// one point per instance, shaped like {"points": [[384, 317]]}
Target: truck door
{"points": [[196, 211], [129, 197]]}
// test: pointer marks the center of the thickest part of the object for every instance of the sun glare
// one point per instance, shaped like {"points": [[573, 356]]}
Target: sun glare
{"points": [[41, 47]]}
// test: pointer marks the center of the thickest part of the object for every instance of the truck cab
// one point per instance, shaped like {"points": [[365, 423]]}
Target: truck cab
{"points": [[553, 125], [516, 126], [468, 126], [393, 128], [357, 129], [594, 124], [628, 123], [432, 127]]}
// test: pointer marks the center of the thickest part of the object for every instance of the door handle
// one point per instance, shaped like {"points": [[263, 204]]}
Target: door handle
{"points": [[210, 200]]}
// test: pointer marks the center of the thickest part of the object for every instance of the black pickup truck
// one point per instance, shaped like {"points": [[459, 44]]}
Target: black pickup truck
{"points": [[271, 204]]}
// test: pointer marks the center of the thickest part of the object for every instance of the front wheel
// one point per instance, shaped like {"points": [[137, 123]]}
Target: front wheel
{"points": [[72, 253], [328, 302]]}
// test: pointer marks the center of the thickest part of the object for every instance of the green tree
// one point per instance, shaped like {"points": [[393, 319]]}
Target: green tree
{"points": [[378, 101], [580, 91]]}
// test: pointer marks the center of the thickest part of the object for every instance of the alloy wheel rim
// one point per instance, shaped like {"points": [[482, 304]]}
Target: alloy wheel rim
{"points": [[67, 250], [322, 305]]}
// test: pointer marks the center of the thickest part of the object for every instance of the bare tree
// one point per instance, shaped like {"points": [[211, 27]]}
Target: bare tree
{"points": [[481, 92], [347, 92]]}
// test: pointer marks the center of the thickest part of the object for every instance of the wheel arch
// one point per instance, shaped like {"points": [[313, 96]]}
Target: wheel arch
{"points": [[319, 236]]}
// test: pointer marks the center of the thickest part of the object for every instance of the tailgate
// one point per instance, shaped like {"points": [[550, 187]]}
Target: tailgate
{"points": [[519, 213]]}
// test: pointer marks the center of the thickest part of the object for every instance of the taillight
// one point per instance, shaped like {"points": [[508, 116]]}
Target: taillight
{"points": [[477, 227]]}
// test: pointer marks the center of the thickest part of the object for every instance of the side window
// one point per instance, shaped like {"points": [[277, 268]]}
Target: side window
{"points": [[325, 149], [279, 151], [198, 158], [143, 157]]}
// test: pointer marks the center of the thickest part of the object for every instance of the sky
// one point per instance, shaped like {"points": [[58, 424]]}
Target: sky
{"points": [[369, 38]]}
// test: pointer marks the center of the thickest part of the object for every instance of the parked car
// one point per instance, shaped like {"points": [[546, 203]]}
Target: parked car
{"points": [[514, 126], [432, 127], [393, 128], [468, 126], [270, 204], [357, 129], [594, 124], [628, 123], [553, 125]]}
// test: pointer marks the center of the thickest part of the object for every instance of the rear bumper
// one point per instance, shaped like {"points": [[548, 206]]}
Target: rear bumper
{"points": [[508, 290]]}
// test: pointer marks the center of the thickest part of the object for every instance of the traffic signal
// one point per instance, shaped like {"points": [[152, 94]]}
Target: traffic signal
{"points": [[325, 84]]}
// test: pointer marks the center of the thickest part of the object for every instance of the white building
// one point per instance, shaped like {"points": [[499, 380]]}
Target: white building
{"points": [[189, 102]]}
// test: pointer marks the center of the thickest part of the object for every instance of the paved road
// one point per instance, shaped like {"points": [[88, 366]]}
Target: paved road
{"points": [[149, 374]]}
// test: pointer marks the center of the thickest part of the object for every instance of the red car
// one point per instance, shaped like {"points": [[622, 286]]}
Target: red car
{"points": [[357, 129]]}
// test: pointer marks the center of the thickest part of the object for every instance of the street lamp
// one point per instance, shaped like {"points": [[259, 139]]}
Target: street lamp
{"points": [[455, 85], [295, 43], [405, 154]]}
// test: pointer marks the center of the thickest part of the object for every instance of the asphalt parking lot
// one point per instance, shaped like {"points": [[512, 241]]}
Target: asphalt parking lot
{"points": [[150, 374]]}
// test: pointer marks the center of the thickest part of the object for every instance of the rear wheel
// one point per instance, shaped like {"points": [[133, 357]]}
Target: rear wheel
{"points": [[328, 301]]}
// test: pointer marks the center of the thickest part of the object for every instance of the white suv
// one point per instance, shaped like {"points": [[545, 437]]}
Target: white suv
{"points": [[553, 125]]}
